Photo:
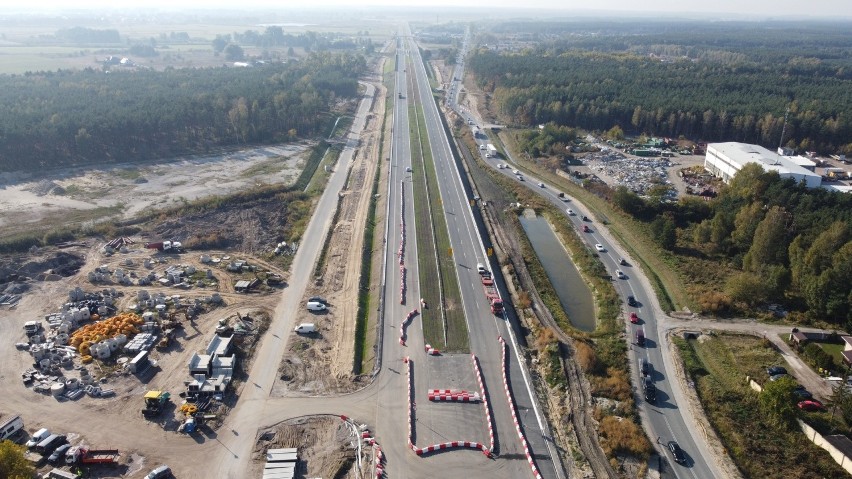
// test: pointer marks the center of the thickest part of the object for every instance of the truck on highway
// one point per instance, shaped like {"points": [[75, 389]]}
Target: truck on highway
{"points": [[491, 293], [84, 455]]}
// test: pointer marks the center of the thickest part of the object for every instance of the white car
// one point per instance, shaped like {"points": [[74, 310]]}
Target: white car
{"points": [[541, 185], [408, 169], [499, 167], [516, 172], [504, 165], [600, 247], [620, 274], [570, 212]]}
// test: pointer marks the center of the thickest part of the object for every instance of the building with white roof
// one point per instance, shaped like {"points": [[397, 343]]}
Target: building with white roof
{"points": [[726, 159]]}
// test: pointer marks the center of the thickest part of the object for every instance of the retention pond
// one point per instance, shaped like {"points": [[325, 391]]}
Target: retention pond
{"points": [[573, 292]]}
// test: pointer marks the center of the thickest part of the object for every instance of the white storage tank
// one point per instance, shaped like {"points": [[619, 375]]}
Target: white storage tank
{"points": [[57, 389]]}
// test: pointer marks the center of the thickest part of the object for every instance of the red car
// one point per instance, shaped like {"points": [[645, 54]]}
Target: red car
{"points": [[811, 405], [634, 319], [586, 229]]}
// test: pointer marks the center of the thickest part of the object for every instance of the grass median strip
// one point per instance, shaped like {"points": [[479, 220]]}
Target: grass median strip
{"points": [[457, 335]]}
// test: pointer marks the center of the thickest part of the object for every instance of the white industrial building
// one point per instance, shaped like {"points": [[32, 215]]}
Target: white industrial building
{"points": [[726, 159]]}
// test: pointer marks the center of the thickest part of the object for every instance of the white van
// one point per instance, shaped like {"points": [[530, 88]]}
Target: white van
{"points": [[37, 437], [315, 306], [306, 328]]}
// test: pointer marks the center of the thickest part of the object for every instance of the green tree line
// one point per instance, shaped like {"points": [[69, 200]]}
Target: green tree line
{"points": [[783, 243], [722, 93], [67, 118]]}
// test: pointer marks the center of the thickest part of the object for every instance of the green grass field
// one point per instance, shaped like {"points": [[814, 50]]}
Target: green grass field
{"points": [[719, 366]]}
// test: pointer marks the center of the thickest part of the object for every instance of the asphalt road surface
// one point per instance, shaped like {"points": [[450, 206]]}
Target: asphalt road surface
{"points": [[663, 418]]}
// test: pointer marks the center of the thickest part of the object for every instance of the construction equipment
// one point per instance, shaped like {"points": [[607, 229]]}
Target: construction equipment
{"points": [[154, 402]]}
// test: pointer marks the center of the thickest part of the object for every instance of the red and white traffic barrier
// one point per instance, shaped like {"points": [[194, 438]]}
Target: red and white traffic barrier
{"points": [[485, 404], [435, 447], [403, 335], [511, 399], [455, 397], [402, 285], [431, 351]]}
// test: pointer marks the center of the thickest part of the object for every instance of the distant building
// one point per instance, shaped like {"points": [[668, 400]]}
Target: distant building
{"points": [[726, 159]]}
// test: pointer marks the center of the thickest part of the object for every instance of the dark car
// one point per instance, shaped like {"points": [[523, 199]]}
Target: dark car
{"points": [[776, 377], [677, 452], [802, 393], [59, 453], [631, 301], [649, 389], [640, 337], [318, 299], [586, 218], [775, 370], [645, 367]]}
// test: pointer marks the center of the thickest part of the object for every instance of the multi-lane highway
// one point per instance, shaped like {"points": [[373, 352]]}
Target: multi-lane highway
{"points": [[665, 421]]}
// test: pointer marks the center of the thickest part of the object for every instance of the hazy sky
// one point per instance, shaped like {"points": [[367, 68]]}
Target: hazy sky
{"points": [[761, 8]]}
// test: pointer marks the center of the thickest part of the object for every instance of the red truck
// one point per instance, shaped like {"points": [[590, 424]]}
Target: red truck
{"points": [[83, 455], [492, 294]]}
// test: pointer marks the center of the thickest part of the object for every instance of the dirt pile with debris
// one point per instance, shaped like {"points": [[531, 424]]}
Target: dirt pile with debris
{"points": [[324, 446]]}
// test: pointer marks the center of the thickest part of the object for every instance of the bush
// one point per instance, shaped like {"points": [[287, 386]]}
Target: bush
{"points": [[586, 358], [623, 436], [817, 357]]}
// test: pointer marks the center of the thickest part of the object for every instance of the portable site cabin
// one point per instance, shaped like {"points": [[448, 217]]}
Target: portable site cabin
{"points": [[11, 427]]}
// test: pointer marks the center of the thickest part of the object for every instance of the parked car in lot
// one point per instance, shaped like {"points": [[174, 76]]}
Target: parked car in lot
{"points": [[37, 437], [634, 318], [677, 453], [631, 301], [600, 247], [802, 393], [775, 370], [315, 306], [811, 405], [59, 453], [160, 472], [318, 299]]}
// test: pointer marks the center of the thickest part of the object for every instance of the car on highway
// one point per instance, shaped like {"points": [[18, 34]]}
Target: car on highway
{"points": [[634, 318], [631, 301], [640, 337], [811, 405], [570, 212], [520, 177], [600, 247], [586, 218], [586, 229], [649, 389], [622, 261], [541, 185], [408, 169], [620, 274], [516, 172], [677, 453], [645, 367], [501, 166], [774, 370]]}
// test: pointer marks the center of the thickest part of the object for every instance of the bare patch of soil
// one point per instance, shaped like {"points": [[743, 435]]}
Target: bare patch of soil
{"points": [[324, 446]]}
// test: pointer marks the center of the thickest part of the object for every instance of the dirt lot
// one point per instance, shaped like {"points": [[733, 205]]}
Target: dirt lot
{"points": [[325, 447], [322, 363], [92, 193]]}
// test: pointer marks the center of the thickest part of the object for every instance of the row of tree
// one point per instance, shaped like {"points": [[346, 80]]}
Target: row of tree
{"points": [[711, 81], [274, 36], [786, 243], [67, 118], [698, 100]]}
